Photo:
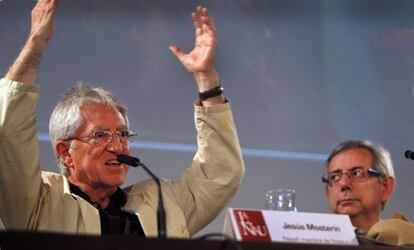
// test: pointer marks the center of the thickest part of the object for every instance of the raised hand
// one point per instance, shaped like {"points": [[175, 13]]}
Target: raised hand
{"points": [[200, 60], [25, 67], [43, 21]]}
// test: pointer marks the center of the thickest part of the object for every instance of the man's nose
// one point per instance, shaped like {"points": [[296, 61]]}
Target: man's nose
{"points": [[115, 145], [345, 181]]}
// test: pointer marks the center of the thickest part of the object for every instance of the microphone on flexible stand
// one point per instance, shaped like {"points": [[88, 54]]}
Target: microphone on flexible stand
{"points": [[409, 154], [135, 162]]}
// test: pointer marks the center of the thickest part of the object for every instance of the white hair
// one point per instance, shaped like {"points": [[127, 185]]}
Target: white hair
{"points": [[66, 117], [381, 158]]}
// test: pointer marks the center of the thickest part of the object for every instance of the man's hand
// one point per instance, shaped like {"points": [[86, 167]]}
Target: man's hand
{"points": [[200, 61], [43, 21], [25, 67], [201, 58]]}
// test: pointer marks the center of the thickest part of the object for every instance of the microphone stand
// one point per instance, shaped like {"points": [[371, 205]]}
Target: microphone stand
{"points": [[135, 162]]}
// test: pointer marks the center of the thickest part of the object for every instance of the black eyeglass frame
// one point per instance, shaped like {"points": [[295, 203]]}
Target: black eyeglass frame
{"points": [[370, 171]]}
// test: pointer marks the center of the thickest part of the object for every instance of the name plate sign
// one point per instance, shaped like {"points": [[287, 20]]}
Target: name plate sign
{"points": [[294, 227]]}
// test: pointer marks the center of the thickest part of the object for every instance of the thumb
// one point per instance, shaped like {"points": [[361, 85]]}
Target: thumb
{"points": [[177, 52]]}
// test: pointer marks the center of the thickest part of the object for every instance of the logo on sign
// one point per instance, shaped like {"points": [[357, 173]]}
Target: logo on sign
{"points": [[251, 225]]}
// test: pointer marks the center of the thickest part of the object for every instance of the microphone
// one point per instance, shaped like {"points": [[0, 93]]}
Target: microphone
{"points": [[129, 160], [409, 154], [135, 162]]}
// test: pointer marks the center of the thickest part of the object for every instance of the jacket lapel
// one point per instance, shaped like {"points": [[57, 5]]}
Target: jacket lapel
{"points": [[79, 215]]}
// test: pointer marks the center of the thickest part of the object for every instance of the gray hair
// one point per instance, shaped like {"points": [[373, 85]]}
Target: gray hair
{"points": [[67, 117], [380, 156]]}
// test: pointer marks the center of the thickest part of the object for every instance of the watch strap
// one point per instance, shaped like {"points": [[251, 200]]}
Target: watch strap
{"points": [[210, 93]]}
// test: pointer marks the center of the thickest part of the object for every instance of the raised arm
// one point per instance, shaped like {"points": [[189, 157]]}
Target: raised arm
{"points": [[26, 65], [217, 168], [20, 177], [200, 60]]}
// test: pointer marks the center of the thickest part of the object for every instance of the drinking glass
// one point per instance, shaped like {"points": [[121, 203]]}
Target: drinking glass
{"points": [[281, 200]]}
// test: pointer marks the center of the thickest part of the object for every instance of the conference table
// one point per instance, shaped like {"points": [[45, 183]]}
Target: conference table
{"points": [[35, 240]]}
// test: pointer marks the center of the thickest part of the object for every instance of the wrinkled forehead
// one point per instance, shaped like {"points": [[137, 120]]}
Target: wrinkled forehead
{"points": [[89, 107], [102, 116], [349, 159]]}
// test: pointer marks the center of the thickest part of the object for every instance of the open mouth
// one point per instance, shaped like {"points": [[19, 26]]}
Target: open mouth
{"points": [[113, 163]]}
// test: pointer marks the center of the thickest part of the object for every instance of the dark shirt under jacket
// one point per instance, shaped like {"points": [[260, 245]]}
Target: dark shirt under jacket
{"points": [[113, 219]]}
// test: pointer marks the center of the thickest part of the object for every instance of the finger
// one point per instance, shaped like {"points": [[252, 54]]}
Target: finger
{"points": [[55, 3], [48, 2], [197, 23], [199, 8], [53, 7], [45, 7], [48, 12], [208, 25], [177, 52], [207, 18], [39, 5], [199, 15], [180, 55], [202, 15]]}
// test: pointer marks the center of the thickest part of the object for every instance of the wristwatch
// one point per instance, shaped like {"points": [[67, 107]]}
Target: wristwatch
{"points": [[210, 93]]}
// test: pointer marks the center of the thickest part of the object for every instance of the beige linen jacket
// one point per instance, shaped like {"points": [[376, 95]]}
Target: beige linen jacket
{"points": [[35, 200]]}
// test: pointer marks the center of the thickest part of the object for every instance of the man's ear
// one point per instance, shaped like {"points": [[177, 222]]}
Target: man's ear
{"points": [[62, 149], [389, 185]]}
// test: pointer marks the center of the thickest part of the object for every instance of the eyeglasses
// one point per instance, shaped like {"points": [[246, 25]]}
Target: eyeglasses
{"points": [[103, 137], [357, 174]]}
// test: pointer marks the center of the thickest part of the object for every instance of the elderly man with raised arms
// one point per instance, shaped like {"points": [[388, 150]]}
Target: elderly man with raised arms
{"points": [[88, 129]]}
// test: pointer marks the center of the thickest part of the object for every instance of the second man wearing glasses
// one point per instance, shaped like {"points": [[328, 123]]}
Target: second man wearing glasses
{"points": [[360, 180]]}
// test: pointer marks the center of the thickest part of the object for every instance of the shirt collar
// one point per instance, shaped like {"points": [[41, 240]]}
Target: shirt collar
{"points": [[117, 200]]}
